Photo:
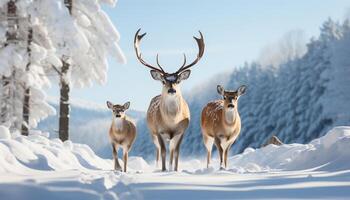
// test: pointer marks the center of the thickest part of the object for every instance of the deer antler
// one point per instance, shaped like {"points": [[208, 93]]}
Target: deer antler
{"points": [[201, 45], [137, 40]]}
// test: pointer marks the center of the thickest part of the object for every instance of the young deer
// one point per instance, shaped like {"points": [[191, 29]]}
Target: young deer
{"points": [[122, 133], [221, 123], [168, 114]]}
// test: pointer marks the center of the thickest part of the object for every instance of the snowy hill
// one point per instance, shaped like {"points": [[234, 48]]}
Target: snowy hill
{"points": [[298, 101], [36, 167]]}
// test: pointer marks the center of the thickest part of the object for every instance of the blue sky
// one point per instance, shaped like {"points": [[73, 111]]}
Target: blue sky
{"points": [[235, 31]]}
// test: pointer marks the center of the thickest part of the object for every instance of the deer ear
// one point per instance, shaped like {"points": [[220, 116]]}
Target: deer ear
{"points": [[109, 105], [156, 75], [220, 89], [184, 75], [126, 105], [241, 90]]}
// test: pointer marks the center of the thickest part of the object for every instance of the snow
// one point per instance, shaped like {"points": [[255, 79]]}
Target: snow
{"points": [[4, 132], [37, 167]]}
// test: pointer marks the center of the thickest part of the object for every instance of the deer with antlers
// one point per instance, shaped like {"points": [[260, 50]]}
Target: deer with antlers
{"points": [[168, 115]]}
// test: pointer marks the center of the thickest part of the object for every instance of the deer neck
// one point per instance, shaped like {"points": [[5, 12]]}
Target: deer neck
{"points": [[170, 105], [118, 123], [230, 116]]}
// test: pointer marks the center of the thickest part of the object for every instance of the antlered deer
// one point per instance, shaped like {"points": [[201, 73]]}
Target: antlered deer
{"points": [[221, 123], [168, 115], [122, 133]]}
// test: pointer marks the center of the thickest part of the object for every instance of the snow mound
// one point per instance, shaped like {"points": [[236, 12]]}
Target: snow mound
{"points": [[328, 153], [4, 132], [36, 152]]}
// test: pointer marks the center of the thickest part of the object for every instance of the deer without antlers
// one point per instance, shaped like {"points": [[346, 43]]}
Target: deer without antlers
{"points": [[221, 123], [168, 114], [122, 133]]}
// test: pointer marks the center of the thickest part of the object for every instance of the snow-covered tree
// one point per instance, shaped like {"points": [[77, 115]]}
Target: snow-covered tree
{"points": [[84, 37], [63, 40], [22, 53]]}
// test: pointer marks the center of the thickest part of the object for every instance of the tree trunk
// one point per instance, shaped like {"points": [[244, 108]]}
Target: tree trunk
{"points": [[26, 101], [26, 113], [64, 103], [4, 100], [63, 127]]}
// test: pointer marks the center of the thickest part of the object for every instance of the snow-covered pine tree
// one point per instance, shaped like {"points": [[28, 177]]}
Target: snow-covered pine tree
{"points": [[21, 71]]}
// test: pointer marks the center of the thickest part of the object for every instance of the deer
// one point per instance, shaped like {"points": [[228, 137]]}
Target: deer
{"points": [[221, 123], [168, 115], [122, 133]]}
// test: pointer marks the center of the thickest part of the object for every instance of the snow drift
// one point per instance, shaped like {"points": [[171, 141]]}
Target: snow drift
{"points": [[35, 152], [328, 153], [37, 167]]}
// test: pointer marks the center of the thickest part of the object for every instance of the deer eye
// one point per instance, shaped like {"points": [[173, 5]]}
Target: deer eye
{"points": [[224, 97]]}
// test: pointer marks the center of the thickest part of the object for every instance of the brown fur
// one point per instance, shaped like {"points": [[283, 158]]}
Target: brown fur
{"points": [[221, 124], [123, 138], [167, 123]]}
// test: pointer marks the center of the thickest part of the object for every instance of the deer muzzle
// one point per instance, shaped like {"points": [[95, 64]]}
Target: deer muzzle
{"points": [[171, 91]]}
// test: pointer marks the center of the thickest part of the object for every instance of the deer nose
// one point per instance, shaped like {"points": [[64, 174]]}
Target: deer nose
{"points": [[230, 105], [171, 91], [117, 115]]}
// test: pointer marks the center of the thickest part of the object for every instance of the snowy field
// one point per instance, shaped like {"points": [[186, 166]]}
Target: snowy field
{"points": [[35, 167]]}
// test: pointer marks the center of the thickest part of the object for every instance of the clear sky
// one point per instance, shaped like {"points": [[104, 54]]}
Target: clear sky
{"points": [[235, 31]]}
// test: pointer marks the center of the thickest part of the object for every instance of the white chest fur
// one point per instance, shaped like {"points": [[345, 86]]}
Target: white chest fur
{"points": [[118, 124], [171, 110], [171, 104], [230, 115]]}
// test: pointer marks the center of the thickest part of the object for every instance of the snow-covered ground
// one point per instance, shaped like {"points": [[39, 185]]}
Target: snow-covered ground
{"points": [[36, 167]]}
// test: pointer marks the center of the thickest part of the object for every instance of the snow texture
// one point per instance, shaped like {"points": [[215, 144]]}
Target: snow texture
{"points": [[36, 167]]}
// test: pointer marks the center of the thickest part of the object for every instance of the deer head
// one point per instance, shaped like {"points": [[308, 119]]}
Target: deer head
{"points": [[231, 96], [117, 109], [170, 81]]}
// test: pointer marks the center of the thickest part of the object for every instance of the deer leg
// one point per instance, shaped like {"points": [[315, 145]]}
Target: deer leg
{"points": [[208, 143], [172, 147], [219, 147], [156, 143], [171, 159], [162, 151], [226, 153], [177, 151], [157, 156], [115, 158], [125, 158]]}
